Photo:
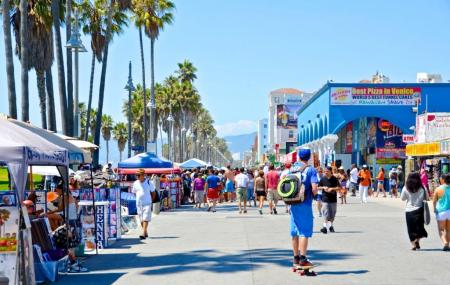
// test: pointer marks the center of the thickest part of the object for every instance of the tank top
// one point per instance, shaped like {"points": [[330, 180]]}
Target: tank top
{"points": [[259, 183], [443, 204]]}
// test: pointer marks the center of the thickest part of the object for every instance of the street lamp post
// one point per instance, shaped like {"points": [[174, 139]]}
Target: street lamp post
{"points": [[130, 88], [76, 45]]}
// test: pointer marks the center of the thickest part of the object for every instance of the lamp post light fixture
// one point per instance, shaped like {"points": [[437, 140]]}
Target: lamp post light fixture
{"points": [[130, 88], [76, 45]]}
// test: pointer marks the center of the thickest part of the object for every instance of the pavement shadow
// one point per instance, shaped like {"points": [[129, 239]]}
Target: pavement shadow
{"points": [[89, 278], [344, 272]]}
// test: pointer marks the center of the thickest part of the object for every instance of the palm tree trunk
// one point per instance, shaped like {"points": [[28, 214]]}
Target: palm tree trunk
{"points": [[60, 64], [91, 88], [107, 151], [50, 101], [152, 90], [40, 80], [24, 59], [180, 144], [9, 61], [70, 106], [102, 85], [143, 86], [120, 152]]}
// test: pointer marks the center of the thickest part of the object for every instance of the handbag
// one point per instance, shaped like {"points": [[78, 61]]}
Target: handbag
{"points": [[426, 210]]}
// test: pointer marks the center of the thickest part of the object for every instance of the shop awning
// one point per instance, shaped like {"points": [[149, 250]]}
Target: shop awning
{"points": [[145, 160], [150, 170]]}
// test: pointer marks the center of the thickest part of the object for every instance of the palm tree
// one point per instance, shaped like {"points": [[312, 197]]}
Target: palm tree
{"points": [[120, 134], [93, 20], [56, 15], [112, 7], [107, 125], [51, 116], [186, 71], [9, 60], [158, 14], [83, 118], [23, 39]]}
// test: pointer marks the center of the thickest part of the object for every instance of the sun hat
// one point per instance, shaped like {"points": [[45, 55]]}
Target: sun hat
{"points": [[399, 167], [140, 171]]}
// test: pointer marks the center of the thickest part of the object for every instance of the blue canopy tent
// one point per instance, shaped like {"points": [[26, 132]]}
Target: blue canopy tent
{"points": [[193, 163], [148, 161]]}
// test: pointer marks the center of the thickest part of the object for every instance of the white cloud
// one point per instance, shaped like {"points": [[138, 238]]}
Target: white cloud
{"points": [[236, 128]]}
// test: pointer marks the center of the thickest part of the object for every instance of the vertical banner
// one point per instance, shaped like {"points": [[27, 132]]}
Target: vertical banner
{"points": [[349, 137]]}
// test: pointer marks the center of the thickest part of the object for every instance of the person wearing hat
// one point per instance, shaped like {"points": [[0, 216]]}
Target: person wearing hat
{"points": [[364, 184], [145, 193], [301, 218]]}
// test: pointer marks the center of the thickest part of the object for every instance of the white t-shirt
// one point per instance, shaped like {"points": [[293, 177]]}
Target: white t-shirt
{"points": [[142, 191], [354, 175], [241, 180]]}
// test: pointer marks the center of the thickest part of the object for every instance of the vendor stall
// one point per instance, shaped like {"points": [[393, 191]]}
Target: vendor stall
{"points": [[19, 149], [193, 163]]}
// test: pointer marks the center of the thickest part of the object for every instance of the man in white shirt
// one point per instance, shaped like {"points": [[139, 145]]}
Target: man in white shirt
{"points": [[354, 179], [241, 181], [145, 193]]}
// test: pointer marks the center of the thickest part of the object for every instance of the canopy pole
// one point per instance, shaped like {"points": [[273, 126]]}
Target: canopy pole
{"points": [[31, 178]]}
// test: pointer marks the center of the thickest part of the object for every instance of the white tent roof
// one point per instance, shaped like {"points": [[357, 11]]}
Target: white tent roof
{"points": [[46, 170], [77, 142], [75, 153], [193, 163]]}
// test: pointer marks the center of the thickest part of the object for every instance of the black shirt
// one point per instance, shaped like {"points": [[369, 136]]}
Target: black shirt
{"points": [[332, 182]]}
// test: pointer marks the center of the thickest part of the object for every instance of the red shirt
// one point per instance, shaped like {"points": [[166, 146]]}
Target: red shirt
{"points": [[272, 179]]}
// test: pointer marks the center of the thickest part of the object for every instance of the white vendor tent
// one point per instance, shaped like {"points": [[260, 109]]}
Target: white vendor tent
{"points": [[193, 163]]}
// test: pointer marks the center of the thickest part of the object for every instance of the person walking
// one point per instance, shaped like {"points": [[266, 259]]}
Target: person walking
{"points": [[301, 217], [199, 190], [242, 182], [229, 186], [343, 180], [272, 179], [260, 190], [393, 182], [319, 195], [212, 189], [441, 206], [329, 184], [380, 182], [364, 184], [145, 193], [414, 194], [250, 189], [353, 179]]}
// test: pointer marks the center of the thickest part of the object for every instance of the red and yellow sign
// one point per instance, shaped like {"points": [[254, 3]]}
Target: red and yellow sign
{"points": [[423, 149]]}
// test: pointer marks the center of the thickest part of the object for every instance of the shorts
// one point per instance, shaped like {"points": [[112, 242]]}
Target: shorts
{"points": [[229, 187], [242, 194], [380, 182], [213, 194], [353, 186], [329, 210], [144, 213], [272, 195], [261, 193], [198, 196], [301, 220], [392, 183], [443, 216]]}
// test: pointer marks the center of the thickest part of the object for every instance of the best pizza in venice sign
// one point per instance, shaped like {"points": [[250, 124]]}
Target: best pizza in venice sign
{"points": [[401, 96]]}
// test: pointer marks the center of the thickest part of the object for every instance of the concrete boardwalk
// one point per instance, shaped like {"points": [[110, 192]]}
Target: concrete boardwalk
{"points": [[189, 246]]}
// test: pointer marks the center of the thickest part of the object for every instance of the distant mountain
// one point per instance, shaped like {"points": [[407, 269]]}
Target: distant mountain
{"points": [[240, 143]]}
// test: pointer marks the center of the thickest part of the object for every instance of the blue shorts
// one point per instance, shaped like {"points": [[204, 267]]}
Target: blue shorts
{"points": [[229, 187], [302, 220]]}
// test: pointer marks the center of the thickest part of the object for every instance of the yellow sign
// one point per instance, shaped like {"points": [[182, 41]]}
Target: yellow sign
{"points": [[423, 149]]}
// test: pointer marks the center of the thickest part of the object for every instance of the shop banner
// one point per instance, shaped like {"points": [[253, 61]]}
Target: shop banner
{"points": [[9, 221], [348, 137], [389, 141], [375, 95], [391, 153], [432, 127], [287, 135], [287, 116]]}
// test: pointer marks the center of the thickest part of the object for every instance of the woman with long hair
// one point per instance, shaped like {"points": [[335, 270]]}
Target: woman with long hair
{"points": [[414, 194], [260, 190], [380, 182], [441, 205]]}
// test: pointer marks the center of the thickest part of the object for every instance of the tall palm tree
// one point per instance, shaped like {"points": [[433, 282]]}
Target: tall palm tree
{"points": [[51, 116], [9, 59], [120, 134], [158, 14], [186, 71], [111, 8], [70, 113], [93, 20], [57, 14], [25, 67], [107, 126]]}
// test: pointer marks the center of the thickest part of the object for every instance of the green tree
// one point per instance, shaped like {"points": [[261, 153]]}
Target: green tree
{"points": [[12, 101], [120, 134], [107, 126]]}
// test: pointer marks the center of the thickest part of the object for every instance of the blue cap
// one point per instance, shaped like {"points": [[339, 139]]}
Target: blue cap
{"points": [[304, 154]]}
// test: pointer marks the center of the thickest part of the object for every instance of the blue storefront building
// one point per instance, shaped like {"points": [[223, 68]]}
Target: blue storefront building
{"points": [[366, 123]]}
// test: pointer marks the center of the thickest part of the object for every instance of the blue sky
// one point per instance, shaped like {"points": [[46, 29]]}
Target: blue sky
{"points": [[243, 49]]}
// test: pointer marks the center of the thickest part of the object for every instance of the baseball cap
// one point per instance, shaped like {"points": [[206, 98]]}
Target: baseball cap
{"points": [[304, 154]]}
